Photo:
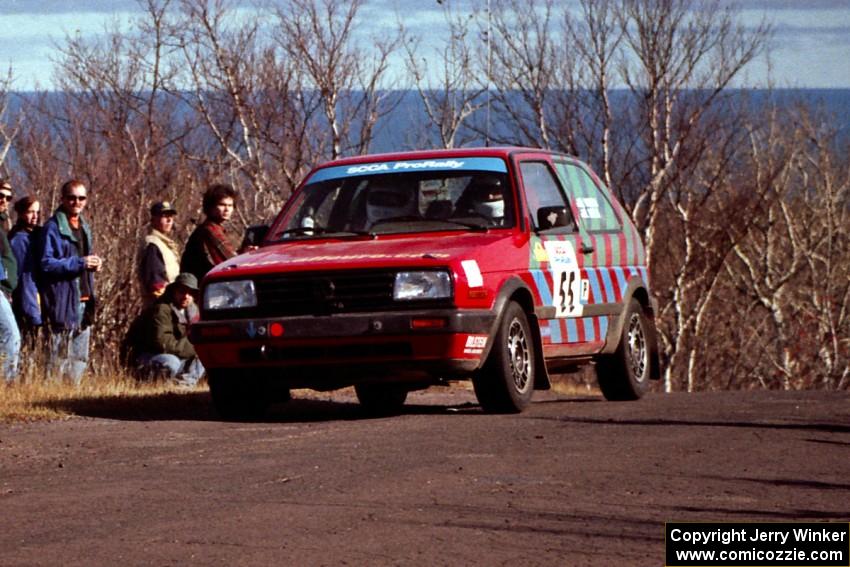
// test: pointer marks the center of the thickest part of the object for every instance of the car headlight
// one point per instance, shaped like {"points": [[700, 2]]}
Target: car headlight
{"points": [[422, 285], [230, 295]]}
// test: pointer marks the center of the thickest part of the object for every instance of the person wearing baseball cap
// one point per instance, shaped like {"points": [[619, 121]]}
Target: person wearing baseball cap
{"points": [[161, 346], [159, 255]]}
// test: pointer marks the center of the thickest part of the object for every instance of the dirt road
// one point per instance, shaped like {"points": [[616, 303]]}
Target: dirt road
{"points": [[573, 481]]}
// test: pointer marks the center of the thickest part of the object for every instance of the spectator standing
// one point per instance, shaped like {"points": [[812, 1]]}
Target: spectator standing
{"points": [[159, 337], [210, 243], [159, 255], [10, 337], [25, 300], [67, 270]]}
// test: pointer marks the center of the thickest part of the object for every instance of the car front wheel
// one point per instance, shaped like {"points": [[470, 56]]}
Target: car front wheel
{"points": [[381, 399], [237, 397], [506, 382]]}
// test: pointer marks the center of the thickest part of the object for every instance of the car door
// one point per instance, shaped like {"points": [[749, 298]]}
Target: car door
{"points": [[617, 255], [558, 250]]}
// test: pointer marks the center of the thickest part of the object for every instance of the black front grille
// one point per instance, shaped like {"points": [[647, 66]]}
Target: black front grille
{"points": [[315, 294], [325, 294]]}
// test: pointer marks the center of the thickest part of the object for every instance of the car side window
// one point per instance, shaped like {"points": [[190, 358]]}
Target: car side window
{"points": [[594, 208], [544, 197]]}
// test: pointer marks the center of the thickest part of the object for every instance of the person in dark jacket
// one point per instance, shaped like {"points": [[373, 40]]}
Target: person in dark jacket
{"points": [[211, 243], [10, 336], [67, 267], [25, 300], [159, 255], [162, 346]]}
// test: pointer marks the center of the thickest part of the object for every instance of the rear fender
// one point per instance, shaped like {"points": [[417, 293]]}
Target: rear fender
{"points": [[637, 290]]}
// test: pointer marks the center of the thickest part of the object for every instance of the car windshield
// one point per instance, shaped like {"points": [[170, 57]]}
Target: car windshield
{"points": [[368, 200]]}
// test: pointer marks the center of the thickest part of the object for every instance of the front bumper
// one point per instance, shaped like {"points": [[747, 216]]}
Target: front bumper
{"points": [[434, 342]]}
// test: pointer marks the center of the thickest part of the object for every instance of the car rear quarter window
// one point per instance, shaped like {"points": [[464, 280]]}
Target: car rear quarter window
{"points": [[594, 209]]}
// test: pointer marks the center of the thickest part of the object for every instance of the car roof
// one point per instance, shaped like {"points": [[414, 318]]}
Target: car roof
{"points": [[499, 151]]}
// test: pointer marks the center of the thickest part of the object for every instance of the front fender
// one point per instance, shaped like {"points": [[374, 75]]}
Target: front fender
{"points": [[514, 289]]}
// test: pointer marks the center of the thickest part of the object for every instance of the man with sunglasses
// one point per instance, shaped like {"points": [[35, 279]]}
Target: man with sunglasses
{"points": [[10, 336], [67, 268]]}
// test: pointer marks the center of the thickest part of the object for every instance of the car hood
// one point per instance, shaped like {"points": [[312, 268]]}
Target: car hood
{"points": [[385, 251]]}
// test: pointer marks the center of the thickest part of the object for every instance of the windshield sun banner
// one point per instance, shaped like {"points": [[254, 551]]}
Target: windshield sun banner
{"points": [[382, 167]]}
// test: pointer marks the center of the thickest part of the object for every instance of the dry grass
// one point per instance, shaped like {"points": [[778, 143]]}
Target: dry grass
{"points": [[117, 395], [580, 383], [103, 396]]}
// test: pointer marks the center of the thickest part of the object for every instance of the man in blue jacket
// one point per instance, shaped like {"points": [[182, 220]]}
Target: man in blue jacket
{"points": [[67, 269], [10, 336]]}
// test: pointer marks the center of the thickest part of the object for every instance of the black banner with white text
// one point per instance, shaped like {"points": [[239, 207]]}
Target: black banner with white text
{"points": [[744, 544]]}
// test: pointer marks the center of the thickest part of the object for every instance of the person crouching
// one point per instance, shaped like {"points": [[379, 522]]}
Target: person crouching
{"points": [[163, 349]]}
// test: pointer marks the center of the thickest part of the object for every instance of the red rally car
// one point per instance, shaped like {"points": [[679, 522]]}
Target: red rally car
{"points": [[398, 271]]}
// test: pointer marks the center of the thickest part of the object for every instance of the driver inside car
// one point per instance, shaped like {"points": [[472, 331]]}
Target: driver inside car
{"points": [[485, 198]]}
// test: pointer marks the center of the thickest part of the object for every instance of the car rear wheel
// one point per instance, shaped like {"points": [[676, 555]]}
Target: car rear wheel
{"points": [[381, 399], [624, 374], [506, 382], [237, 397]]}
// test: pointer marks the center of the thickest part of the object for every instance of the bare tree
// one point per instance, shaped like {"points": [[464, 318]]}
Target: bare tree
{"points": [[112, 125], [350, 81], [794, 264], [705, 216], [450, 94], [9, 127], [682, 56], [525, 77], [594, 38]]}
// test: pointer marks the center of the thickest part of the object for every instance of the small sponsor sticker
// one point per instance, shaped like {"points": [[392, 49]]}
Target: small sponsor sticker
{"points": [[404, 165], [475, 344], [540, 253], [561, 254], [588, 208]]}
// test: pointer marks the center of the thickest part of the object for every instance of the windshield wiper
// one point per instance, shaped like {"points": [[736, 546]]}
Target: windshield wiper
{"points": [[412, 218], [470, 225], [404, 218], [318, 230], [351, 232], [300, 231]]}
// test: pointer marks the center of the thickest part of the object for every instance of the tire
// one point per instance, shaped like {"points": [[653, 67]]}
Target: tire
{"points": [[381, 399], [506, 382], [237, 397], [624, 374]]}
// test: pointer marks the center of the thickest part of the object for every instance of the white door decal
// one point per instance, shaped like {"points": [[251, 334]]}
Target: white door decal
{"points": [[566, 278]]}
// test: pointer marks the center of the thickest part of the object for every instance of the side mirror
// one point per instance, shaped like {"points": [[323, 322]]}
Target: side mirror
{"points": [[553, 217], [254, 235]]}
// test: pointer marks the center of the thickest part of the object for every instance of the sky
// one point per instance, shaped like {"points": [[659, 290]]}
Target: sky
{"points": [[810, 46]]}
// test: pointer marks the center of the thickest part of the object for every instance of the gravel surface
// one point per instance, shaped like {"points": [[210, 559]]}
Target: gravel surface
{"points": [[572, 481]]}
